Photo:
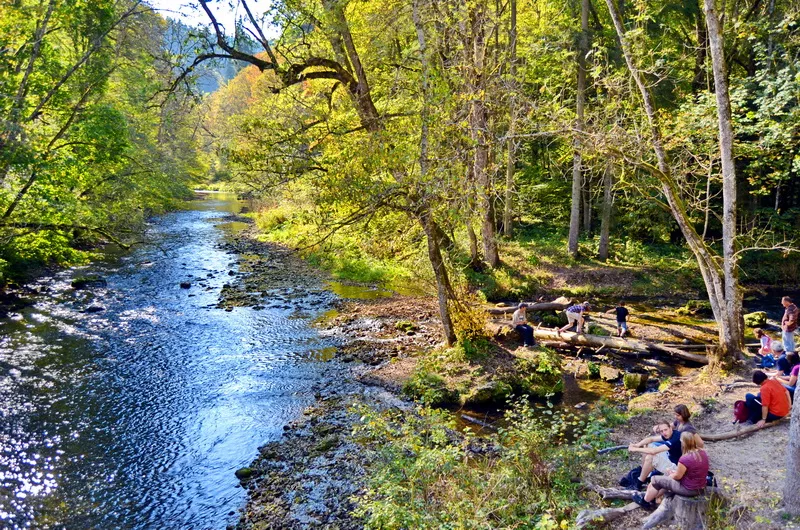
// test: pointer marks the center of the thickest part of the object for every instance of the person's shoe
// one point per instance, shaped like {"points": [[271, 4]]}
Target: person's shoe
{"points": [[638, 484], [638, 498]]}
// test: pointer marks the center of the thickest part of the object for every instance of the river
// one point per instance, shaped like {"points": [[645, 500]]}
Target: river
{"points": [[137, 416]]}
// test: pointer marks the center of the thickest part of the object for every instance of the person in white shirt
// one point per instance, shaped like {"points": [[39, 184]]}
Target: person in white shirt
{"points": [[520, 322]]}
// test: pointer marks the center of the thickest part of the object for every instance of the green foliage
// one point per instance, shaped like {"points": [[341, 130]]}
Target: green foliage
{"points": [[405, 326], [423, 477], [595, 329], [594, 370], [430, 389], [538, 375]]}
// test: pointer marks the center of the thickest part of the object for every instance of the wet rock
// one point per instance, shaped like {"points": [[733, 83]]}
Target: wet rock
{"points": [[582, 405], [755, 319], [244, 473], [95, 309], [635, 381], [185, 285], [87, 282]]}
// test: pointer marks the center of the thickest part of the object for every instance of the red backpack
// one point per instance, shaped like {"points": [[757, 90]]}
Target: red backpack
{"points": [[740, 412]]}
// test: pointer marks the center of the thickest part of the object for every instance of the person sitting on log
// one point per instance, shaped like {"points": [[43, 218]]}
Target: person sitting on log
{"points": [[785, 363], [682, 423], [772, 403], [520, 322], [575, 316], [688, 479], [661, 452], [789, 382]]}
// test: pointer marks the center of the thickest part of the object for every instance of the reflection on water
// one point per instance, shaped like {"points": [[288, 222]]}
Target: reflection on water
{"points": [[137, 415]]}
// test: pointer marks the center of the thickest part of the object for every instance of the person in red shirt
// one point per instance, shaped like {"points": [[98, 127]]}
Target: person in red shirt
{"points": [[772, 403]]}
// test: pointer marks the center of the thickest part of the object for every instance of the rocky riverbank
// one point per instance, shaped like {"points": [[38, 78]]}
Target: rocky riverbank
{"points": [[312, 476]]}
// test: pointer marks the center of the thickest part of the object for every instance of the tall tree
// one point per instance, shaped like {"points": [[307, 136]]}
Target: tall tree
{"points": [[577, 165], [512, 112], [709, 262]]}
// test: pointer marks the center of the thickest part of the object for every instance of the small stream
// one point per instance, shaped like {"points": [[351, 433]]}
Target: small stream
{"points": [[136, 416]]}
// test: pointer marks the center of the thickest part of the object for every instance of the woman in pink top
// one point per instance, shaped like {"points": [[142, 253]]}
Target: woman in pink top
{"points": [[689, 480], [790, 381]]}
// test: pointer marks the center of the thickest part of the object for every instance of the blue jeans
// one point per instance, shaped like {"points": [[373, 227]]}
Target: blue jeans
{"points": [[788, 340], [525, 333], [754, 406]]}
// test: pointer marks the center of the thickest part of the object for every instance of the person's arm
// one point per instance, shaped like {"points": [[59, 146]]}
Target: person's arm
{"points": [[648, 450], [793, 380], [792, 320], [678, 473], [764, 414]]}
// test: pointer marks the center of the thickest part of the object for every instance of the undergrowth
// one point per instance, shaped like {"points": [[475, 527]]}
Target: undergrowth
{"points": [[427, 475]]}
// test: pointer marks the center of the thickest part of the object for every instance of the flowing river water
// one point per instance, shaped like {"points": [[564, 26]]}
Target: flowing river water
{"points": [[136, 416]]}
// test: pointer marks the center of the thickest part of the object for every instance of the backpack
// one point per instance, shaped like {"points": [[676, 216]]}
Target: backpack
{"points": [[711, 482], [740, 412], [768, 361], [629, 480]]}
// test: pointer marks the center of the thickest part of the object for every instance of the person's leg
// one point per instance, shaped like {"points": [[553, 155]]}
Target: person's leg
{"points": [[529, 334], [570, 321], [651, 493], [579, 328], [647, 467], [772, 417], [788, 340], [753, 403], [521, 332]]}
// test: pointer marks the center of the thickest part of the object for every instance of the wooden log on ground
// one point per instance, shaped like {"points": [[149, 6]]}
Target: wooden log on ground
{"points": [[612, 493], [686, 513], [617, 343], [664, 514], [603, 515], [532, 306], [741, 432], [610, 449]]}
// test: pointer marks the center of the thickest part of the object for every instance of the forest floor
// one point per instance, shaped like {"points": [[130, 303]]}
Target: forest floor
{"points": [[311, 477]]}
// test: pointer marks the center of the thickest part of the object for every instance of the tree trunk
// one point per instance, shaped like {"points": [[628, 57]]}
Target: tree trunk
{"points": [[586, 192], [432, 230], [791, 488], [512, 114], [479, 128], [577, 173], [731, 335], [708, 261], [700, 80], [605, 216]]}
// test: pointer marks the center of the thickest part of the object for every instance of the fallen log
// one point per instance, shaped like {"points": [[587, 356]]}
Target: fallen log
{"points": [[610, 449], [612, 493], [533, 306], [741, 432], [603, 515], [617, 343]]}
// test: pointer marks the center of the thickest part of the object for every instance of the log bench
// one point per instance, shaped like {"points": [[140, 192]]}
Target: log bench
{"points": [[686, 513]]}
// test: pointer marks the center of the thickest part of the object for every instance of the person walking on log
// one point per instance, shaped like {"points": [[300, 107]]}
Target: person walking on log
{"points": [[575, 316], [661, 452], [688, 479], [788, 323], [520, 322], [622, 319], [772, 403]]}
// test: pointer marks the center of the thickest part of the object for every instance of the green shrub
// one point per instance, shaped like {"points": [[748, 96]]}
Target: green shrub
{"points": [[429, 389], [594, 370], [405, 326], [595, 329]]}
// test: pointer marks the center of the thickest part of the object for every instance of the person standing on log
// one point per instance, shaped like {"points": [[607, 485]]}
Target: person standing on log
{"points": [[622, 319], [788, 323], [662, 455], [575, 316], [772, 403], [688, 479], [520, 322]]}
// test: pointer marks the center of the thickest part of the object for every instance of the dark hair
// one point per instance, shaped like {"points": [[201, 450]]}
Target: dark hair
{"points": [[621, 302], [683, 412], [522, 304], [787, 299], [664, 422], [759, 377], [759, 332], [793, 358]]}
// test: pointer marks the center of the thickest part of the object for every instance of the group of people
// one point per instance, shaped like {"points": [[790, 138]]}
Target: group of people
{"points": [[674, 460], [576, 317]]}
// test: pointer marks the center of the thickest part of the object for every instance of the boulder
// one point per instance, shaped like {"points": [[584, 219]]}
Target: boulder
{"points": [[244, 473], [185, 285], [635, 381], [610, 374], [755, 319], [488, 393]]}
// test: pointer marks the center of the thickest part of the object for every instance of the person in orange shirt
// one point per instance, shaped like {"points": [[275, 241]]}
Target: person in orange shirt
{"points": [[772, 403]]}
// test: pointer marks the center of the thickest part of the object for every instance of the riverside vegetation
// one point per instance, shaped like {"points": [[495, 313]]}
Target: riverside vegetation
{"points": [[474, 152]]}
